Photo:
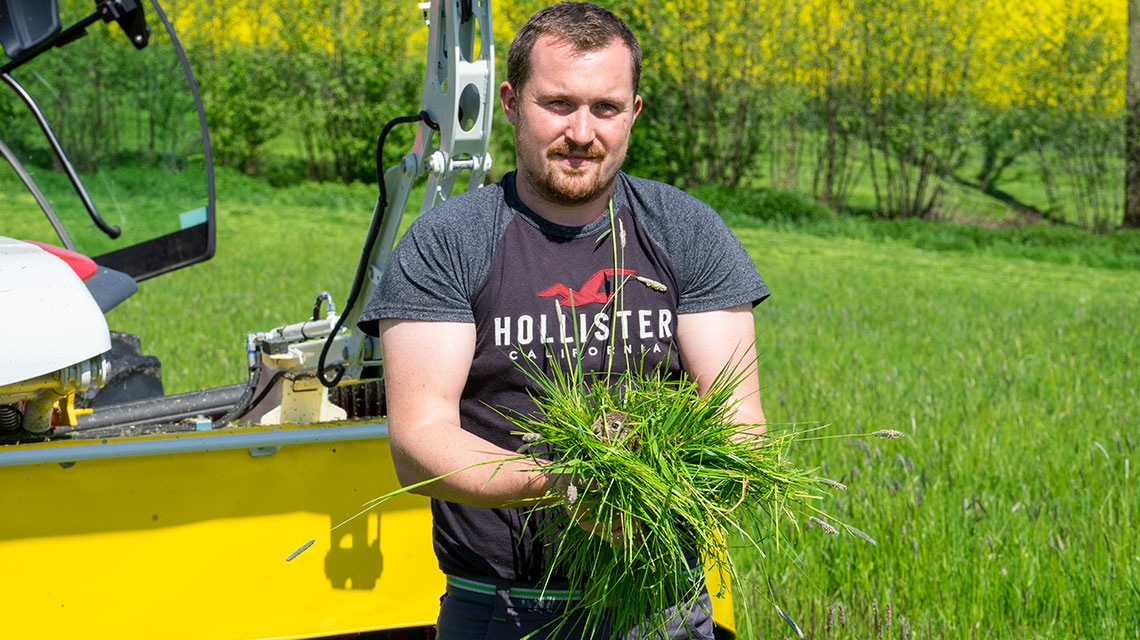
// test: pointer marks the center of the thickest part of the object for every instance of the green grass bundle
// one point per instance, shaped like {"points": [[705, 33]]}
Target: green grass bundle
{"points": [[673, 475]]}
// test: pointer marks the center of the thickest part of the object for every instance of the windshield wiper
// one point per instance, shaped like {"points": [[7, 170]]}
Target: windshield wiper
{"points": [[45, 126]]}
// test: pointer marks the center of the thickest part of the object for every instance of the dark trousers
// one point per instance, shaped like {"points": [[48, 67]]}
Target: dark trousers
{"points": [[466, 616]]}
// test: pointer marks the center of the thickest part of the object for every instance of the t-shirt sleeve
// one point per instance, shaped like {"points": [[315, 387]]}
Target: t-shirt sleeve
{"points": [[715, 270], [721, 274], [435, 267]]}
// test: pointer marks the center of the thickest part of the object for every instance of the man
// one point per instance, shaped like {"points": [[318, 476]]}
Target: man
{"points": [[527, 268]]}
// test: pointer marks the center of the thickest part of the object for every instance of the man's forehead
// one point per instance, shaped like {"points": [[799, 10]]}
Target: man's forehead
{"points": [[554, 43], [551, 54]]}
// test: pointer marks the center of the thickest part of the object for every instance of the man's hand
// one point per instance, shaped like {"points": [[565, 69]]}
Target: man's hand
{"points": [[581, 501]]}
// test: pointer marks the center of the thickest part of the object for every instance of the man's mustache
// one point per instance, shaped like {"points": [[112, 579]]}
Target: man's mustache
{"points": [[562, 148]]}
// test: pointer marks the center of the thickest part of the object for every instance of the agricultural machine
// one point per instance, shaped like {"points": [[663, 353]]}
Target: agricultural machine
{"points": [[128, 513]]}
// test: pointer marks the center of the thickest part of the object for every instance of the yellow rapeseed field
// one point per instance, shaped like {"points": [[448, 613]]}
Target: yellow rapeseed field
{"points": [[1067, 54]]}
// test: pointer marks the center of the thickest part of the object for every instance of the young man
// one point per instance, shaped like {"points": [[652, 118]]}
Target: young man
{"points": [[516, 270]]}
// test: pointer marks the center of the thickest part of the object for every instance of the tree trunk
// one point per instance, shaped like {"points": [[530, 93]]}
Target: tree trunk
{"points": [[1132, 126]]}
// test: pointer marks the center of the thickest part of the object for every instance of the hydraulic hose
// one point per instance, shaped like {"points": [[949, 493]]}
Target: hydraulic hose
{"points": [[370, 240]]}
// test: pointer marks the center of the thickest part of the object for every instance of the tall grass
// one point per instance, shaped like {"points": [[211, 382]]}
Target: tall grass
{"points": [[1009, 512], [661, 476], [1060, 244]]}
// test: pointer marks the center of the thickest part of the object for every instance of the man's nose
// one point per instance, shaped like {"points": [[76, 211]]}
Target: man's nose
{"points": [[580, 127]]}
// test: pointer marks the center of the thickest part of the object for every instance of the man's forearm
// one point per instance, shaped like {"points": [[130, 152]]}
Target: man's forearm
{"points": [[457, 466]]}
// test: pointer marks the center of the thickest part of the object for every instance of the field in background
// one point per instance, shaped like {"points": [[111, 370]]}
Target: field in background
{"points": [[1008, 511]]}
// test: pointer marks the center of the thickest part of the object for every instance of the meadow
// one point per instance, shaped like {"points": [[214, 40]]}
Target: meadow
{"points": [[1007, 511]]}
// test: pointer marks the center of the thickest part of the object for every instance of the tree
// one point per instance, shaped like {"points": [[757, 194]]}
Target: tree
{"points": [[707, 83], [916, 60]]}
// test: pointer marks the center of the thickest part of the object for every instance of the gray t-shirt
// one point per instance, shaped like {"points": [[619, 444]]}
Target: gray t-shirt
{"points": [[555, 296]]}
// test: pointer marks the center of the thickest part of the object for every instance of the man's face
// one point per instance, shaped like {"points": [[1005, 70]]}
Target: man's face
{"points": [[572, 121]]}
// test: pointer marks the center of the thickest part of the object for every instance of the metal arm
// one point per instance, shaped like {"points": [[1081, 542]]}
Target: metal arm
{"points": [[458, 102], [458, 96]]}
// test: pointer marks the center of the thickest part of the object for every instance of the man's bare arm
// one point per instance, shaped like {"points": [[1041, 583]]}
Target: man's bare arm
{"points": [[713, 342], [425, 369]]}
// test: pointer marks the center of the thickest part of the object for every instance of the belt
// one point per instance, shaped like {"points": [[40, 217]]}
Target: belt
{"points": [[523, 597]]}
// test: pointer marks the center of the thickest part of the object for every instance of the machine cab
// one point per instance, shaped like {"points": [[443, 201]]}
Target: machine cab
{"points": [[102, 127], [106, 180]]}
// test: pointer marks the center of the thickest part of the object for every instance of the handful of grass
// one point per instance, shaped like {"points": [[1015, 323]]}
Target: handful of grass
{"points": [[672, 476]]}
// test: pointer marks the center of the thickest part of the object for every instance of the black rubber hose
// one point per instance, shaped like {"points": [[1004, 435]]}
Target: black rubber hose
{"points": [[373, 233]]}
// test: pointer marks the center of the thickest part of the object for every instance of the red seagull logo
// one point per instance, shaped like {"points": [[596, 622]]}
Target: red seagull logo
{"points": [[591, 290]]}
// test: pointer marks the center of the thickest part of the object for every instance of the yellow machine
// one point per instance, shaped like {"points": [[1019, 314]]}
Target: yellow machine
{"points": [[168, 516], [187, 535]]}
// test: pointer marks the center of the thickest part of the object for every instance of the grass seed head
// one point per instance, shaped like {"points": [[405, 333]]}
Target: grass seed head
{"points": [[827, 528], [889, 434], [652, 284], [834, 484], [529, 440]]}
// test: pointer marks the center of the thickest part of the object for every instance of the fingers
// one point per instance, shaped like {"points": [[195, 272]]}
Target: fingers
{"points": [[581, 504], [612, 530], [583, 500]]}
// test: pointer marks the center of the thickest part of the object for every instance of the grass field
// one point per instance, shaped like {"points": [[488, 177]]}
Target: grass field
{"points": [[1009, 510]]}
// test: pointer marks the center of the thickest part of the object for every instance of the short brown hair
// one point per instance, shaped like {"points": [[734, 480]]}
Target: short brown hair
{"points": [[586, 26]]}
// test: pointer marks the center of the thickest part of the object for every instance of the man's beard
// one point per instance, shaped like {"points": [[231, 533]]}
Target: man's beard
{"points": [[573, 187]]}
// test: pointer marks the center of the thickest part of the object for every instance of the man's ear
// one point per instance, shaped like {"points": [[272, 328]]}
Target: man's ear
{"points": [[636, 108], [510, 101]]}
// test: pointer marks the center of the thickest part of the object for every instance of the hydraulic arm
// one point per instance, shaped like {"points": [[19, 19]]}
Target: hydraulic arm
{"points": [[293, 367]]}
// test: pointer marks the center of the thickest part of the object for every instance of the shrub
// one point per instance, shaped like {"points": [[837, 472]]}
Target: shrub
{"points": [[771, 205]]}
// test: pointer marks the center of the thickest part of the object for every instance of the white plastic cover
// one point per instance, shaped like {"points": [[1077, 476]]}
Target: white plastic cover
{"points": [[48, 319]]}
